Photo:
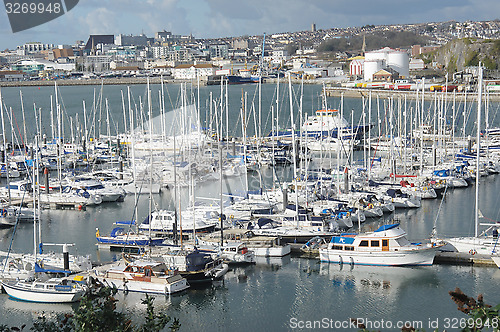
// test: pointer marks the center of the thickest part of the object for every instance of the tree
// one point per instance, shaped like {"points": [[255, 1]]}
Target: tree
{"points": [[481, 315]]}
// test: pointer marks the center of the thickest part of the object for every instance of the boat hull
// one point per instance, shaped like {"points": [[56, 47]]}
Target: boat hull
{"points": [[496, 259], [419, 257], [147, 287], [473, 246], [271, 251], [29, 295]]}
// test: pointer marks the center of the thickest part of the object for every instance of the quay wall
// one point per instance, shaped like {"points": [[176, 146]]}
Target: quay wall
{"points": [[329, 90], [410, 95]]}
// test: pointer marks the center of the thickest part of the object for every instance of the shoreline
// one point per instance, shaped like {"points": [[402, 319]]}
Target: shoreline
{"points": [[411, 95], [329, 90]]}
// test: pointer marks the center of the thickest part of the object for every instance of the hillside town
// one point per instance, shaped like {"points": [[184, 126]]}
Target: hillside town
{"points": [[247, 59]]}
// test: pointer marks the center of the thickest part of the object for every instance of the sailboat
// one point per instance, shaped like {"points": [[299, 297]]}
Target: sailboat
{"points": [[53, 290], [485, 243], [42, 288]]}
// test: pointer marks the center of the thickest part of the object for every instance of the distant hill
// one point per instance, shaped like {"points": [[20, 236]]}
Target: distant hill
{"points": [[373, 40], [460, 53]]}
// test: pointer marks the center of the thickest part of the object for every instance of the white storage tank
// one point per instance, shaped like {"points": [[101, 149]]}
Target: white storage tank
{"points": [[400, 62], [397, 60], [371, 67]]}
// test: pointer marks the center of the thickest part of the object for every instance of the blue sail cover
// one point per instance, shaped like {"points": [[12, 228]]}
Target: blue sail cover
{"points": [[39, 269], [117, 231], [125, 222], [442, 173]]}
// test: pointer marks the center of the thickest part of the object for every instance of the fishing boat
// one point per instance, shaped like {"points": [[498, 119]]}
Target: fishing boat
{"points": [[53, 290], [143, 276], [387, 246]]}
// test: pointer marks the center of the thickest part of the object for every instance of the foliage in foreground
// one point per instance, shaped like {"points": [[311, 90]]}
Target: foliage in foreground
{"points": [[97, 312]]}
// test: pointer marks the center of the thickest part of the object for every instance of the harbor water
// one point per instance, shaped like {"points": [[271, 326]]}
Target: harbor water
{"points": [[278, 294]]}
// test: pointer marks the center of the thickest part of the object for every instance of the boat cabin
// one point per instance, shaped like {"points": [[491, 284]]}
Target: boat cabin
{"points": [[385, 238]]}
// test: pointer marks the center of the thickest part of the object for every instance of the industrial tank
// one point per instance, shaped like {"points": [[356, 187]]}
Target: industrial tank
{"points": [[371, 67], [400, 62]]}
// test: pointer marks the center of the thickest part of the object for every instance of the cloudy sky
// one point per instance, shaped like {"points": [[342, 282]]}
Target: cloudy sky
{"points": [[219, 18]]}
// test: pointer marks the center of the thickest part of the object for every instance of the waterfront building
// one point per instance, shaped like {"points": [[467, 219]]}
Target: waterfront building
{"points": [[192, 71]]}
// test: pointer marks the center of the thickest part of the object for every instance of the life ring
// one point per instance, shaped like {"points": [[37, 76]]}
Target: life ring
{"points": [[370, 206], [472, 252], [3, 213], [425, 188], [231, 217]]}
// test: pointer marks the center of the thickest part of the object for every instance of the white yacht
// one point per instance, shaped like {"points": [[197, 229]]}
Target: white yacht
{"points": [[386, 246]]}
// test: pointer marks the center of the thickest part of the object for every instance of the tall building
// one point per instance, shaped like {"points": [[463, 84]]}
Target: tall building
{"points": [[95, 40], [130, 40], [313, 27]]}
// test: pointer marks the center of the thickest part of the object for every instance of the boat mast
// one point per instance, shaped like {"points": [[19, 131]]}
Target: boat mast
{"points": [[150, 111], [478, 145], [5, 147], [294, 151]]}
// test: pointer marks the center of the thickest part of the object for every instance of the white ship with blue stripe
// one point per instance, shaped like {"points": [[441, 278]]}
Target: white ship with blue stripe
{"points": [[387, 246]]}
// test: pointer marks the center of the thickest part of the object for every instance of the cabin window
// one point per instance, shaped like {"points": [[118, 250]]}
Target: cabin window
{"points": [[363, 243], [403, 241], [375, 243], [349, 248], [337, 247]]}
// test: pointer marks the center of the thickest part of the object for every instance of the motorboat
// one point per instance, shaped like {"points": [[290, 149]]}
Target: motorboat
{"points": [[193, 264], [143, 276], [231, 252], [387, 246], [262, 246], [162, 221]]}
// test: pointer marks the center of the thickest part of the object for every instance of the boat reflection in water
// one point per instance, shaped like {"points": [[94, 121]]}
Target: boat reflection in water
{"points": [[380, 280]]}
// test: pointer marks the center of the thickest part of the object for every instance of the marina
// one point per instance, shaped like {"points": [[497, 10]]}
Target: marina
{"points": [[218, 174]]}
